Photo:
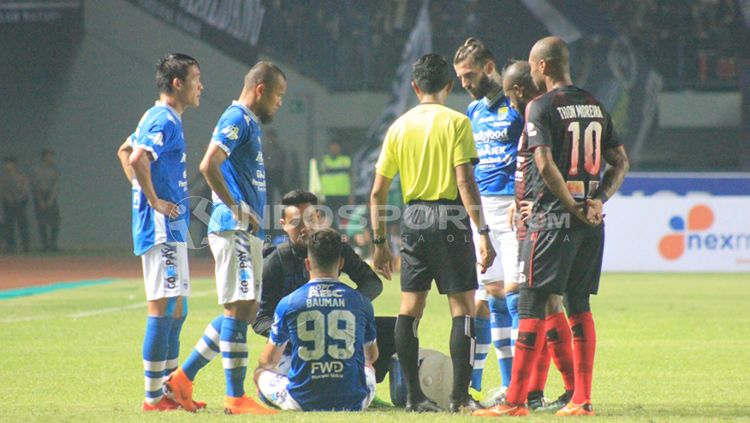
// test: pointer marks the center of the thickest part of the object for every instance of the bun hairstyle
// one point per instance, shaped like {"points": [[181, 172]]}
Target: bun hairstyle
{"points": [[473, 49]]}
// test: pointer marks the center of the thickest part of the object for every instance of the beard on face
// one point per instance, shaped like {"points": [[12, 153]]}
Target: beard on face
{"points": [[265, 117], [483, 88]]}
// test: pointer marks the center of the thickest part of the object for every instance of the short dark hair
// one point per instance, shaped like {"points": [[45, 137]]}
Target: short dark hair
{"points": [[324, 247], [47, 151], [9, 159], [522, 74], [297, 197], [475, 50], [264, 73], [431, 73], [171, 66]]}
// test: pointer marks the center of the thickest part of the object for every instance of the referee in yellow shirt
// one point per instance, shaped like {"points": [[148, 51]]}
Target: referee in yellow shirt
{"points": [[432, 148]]}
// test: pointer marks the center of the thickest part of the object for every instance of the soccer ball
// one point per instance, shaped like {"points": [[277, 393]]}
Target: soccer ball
{"points": [[435, 377]]}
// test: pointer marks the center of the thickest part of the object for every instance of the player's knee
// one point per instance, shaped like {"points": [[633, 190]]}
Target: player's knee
{"points": [[577, 303], [531, 303], [495, 289], [483, 310], [462, 304], [242, 310]]}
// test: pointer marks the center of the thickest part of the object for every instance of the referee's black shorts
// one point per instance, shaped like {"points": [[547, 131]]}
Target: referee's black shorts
{"points": [[437, 244], [562, 261]]}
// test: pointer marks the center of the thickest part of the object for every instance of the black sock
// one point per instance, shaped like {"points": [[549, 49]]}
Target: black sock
{"points": [[407, 348], [385, 327], [462, 356]]}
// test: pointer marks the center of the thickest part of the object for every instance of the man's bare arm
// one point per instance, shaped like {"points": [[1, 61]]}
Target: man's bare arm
{"points": [[141, 163], [371, 353], [555, 181], [123, 154], [469, 192], [382, 259], [269, 359], [618, 166]]}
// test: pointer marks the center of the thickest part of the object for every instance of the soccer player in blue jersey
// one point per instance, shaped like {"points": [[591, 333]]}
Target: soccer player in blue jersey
{"points": [[497, 128], [233, 168], [153, 159], [331, 329]]}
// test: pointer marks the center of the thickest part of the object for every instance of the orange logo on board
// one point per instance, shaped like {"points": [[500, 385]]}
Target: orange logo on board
{"points": [[700, 218]]}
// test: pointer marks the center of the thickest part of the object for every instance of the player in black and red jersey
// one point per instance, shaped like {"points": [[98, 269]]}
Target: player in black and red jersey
{"points": [[569, 132], [520, 89]]}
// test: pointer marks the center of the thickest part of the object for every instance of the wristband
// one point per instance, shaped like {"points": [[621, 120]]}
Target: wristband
{"points": [[602, 196], [378, 241], [484, 231]]}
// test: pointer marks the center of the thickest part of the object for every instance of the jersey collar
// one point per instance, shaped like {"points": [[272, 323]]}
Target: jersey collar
{"points": [[170, 108], [324, 280], [248, 111], [492, 101]]}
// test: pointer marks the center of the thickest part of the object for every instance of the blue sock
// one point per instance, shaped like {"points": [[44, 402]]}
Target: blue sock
{"points": [[501, 321], [205, 350], [483, 340], [155, 356], [511, 299], [234, 355], [173, 346]]}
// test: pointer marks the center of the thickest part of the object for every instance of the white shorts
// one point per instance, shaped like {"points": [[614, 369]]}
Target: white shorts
{"points": [[165, 271], [272, 387], [239, 265], [505, 266]]}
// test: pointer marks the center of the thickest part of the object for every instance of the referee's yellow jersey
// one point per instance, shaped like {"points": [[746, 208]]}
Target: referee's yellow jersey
{"points": [[424, 146]]}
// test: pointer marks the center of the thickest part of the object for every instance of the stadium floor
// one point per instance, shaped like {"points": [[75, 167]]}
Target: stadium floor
{"points": [[670, 347]]}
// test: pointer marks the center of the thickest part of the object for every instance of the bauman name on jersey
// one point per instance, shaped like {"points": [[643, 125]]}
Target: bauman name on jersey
{"points": [[324, 297]]}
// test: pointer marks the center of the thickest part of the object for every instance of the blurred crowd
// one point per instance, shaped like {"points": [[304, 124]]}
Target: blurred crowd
{"points": [[353, 44], [690, 42]]}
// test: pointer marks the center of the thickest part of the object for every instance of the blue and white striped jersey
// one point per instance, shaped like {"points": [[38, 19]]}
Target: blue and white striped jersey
{"points": [[238, 134], [497, 128], [160, 133]]}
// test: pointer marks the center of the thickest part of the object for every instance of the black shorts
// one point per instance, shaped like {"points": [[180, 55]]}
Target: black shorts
{"points": [[562, 260], [437, 244]]}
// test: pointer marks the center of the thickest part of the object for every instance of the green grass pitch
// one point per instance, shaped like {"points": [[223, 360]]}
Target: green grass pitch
{"points": [[670, 347]]}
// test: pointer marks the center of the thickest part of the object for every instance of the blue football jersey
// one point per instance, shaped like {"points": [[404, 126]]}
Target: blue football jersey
{"points": [[160, 133], [238, 134], [497, 128], [328, 324]]}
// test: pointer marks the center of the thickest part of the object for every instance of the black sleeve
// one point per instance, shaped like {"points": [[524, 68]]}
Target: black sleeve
{"points": [[611, 140], [368, 283], [537, 125], [273, 280]]}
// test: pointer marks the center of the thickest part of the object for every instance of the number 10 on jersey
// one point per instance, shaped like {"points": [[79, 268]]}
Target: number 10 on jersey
{"points": [[592, 143]]}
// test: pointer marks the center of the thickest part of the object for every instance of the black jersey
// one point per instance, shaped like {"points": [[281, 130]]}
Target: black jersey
{"points": [[578, 129], [524, 182]]}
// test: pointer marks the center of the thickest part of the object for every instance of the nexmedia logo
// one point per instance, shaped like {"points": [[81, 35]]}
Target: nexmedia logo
{"points": [[694, 237]]}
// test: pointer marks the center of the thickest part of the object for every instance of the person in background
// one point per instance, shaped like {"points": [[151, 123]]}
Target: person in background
{"points": [[14, 190], [335, 179], [45, 187]]}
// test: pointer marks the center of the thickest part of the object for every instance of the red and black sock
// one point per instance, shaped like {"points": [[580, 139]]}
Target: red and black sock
{"points": [[584, 347], [560, 345], [528, 345], [540, 371]]}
